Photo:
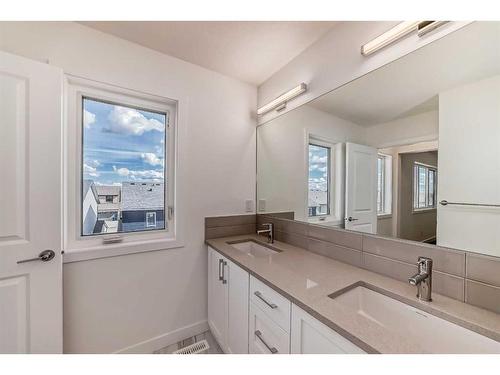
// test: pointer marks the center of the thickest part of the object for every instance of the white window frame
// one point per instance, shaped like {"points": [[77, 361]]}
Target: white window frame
{"points": [[78, 247], [153, 213], [329, 202], [415, 187], [387, 186], [336, 176]]}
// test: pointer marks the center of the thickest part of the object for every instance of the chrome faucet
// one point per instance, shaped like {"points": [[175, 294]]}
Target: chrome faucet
{"points": [[423, 279], [269, 231]]}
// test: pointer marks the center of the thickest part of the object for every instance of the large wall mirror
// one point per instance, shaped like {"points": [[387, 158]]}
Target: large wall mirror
{"points": [[383, 153]]}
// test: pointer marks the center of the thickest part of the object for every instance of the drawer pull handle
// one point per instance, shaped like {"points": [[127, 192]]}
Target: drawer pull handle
{"points": [[224, 280], [272, 349], [221, 267], [271, 305]]}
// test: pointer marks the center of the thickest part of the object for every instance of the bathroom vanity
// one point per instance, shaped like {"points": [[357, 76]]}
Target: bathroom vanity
{"points": [[281, 299]]}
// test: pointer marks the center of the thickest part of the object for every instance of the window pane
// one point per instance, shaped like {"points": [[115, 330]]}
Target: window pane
{"points": [[123, 168], [422, 184], [319, 180], [431, 188], [380, 183]]}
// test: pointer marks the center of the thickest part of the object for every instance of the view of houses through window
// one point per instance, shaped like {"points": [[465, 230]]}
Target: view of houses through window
{"points": [[424, 186], [380, 184], [123, 168], [319, 180]]}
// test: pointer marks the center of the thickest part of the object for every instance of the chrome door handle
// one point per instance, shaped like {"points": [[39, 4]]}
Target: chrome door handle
{"points": [[272, 349], [224, 281], [44, 256], [271, 305], [221, 277], [350, 218]]}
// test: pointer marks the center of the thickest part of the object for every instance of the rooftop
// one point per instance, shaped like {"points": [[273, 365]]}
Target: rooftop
{"points": [[108, 189], [142, 196]]}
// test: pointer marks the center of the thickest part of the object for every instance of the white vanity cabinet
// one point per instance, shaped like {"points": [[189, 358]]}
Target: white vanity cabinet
{"points": [[247, 316], [228, 310], [310, 336]]}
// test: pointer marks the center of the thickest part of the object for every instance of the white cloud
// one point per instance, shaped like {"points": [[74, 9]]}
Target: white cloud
{"points": [[148, 174], [88, 118], [91, 171], [129, 121], [121, 171], [151, 159], [318, 159]]}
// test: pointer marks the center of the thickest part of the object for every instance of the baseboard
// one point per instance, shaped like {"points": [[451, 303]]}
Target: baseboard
{"points": [[158, 342]]}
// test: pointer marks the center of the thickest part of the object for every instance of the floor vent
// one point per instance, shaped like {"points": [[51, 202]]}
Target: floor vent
{"points": [[196, 348]]}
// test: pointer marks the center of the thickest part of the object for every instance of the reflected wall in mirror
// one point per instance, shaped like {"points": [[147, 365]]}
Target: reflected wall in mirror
{"points": [[378, 154]]}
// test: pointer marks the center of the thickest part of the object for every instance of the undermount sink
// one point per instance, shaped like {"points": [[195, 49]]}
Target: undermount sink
{"points": [[254, 249], [433, 334]]}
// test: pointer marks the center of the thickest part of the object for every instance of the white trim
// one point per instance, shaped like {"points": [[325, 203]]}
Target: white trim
{"points": [[166, 339], [76, 247]]}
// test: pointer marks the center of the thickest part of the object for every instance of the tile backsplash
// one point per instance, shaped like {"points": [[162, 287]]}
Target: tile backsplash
{"points": [[465, 276]]}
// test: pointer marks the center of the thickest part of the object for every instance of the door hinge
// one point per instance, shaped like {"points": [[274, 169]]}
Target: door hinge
{"points": [[170, 211]]}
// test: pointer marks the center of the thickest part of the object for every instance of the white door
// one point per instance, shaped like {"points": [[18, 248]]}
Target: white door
{"points": [[361, 188], [30, 206], [237, 308], [217, 297]]}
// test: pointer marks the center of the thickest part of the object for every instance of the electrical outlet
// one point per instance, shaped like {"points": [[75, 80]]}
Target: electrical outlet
{"points": [[249, 205], [262, 205]]}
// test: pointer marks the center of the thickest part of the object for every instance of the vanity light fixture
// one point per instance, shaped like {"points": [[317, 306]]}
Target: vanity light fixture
{"points": [[281, 100], [390, 36], [398, 32], [425, 27]]}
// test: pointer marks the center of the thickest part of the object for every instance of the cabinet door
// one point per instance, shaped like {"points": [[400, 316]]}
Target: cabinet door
{"points": [[217, 298], [310, 336], [237, 308]]}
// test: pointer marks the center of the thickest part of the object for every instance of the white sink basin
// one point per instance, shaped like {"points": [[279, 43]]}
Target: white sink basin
{"points": [[254, 249], [432, 334]]}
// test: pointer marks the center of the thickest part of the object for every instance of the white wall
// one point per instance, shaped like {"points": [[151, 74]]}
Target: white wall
{"points": [[469, 166], [335, 59], [407, 130], [282, 155], [114, 303]]}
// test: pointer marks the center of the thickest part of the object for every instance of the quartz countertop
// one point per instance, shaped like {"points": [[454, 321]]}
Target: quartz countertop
{"points": [[307, 279]]}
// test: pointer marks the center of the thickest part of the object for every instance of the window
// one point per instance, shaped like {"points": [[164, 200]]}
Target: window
{"points": [[384, 184], [150, 219], [124, 157], [424, 187], [380, 183], [319, 182]]}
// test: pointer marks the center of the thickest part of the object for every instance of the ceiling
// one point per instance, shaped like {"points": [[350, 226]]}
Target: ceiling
{"points": [[410, 85], [248, 51]]}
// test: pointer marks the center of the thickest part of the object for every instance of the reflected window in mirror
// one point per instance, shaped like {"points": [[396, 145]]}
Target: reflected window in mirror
{"points": [[384, 184], [319, 181], [424, 187]]}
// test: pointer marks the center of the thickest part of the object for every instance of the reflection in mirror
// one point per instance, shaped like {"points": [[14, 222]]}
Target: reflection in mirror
{"points": [[378, 154]]}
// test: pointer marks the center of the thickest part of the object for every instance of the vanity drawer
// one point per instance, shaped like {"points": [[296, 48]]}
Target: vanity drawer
{"points": [[271, 302], [265, 336]]}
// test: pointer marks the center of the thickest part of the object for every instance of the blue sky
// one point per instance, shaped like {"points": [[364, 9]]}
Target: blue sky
{"points": [[122, 143], [318, 168]]}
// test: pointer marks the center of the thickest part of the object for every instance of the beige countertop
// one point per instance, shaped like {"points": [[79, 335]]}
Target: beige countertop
{"points": [[307, 279]]}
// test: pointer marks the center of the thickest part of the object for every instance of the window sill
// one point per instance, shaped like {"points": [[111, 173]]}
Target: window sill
{"points": [[384, 216], [329, 220], [119, 249], [423, 211]]}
